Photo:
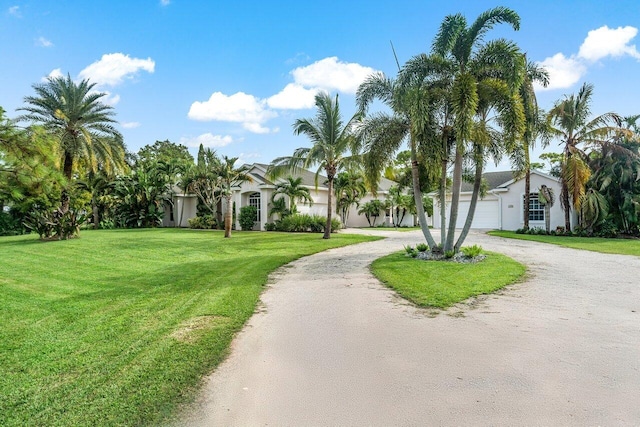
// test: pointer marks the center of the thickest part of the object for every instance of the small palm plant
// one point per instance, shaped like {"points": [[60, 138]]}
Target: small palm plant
{"points": [[546, 198]]}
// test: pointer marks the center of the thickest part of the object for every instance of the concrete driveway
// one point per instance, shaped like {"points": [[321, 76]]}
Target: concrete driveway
{"points": [[331, 346]]}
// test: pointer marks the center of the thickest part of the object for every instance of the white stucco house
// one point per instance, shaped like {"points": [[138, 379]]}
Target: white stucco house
{"points": [[260, 189], [503, 206]]}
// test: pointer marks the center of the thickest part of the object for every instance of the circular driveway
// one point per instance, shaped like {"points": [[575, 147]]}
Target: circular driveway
{"points": [[331, 346]]}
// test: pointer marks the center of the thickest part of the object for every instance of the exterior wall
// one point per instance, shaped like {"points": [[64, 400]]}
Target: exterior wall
{"points": [[509, 208], [513, 204], [183, 209], [486, 214]]}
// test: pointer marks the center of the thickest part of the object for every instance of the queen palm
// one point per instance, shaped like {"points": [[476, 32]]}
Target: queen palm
{"points": [[571, 123], [332, 141], [84, 126], [293, 189], [229, 176]]}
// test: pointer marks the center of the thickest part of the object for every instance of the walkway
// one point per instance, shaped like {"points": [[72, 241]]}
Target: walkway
{"points": [[331, 346]]}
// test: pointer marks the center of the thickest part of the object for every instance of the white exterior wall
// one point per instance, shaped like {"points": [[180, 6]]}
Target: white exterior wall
{"points": [[513, 204]]}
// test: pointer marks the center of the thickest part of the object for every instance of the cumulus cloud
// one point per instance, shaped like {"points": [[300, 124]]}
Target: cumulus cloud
{"points": [[54, 74], [606, 41], [42, 42], [243, 157], [207, 140], [113, 68], [130, 125], [332, 74], [293, 96], [165, 2], [15, 11], [110, 98], [600, 43], [563, 72], [239, 108]]}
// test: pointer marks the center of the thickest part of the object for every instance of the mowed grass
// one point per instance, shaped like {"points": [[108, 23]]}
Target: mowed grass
{"points": [[442, 284], [596, 244], [118, 327]]}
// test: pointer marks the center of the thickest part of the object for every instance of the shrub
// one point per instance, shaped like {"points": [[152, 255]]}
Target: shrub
{"points": [[204, 222], [472, 251], [270, 226], [422, 247], [55, 225], [10, 224], [449, 254], [299, 223], [247, 218]]}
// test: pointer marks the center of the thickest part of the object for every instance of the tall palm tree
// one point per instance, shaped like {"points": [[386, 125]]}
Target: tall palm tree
{"points": [[293, 189], [332, 141], [230, 176], [535, 127], [462, 45], [84, 126], [413, 120], [570, 122]]}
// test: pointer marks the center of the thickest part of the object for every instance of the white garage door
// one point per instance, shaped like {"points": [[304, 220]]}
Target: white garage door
{"points": [[487, 214]]}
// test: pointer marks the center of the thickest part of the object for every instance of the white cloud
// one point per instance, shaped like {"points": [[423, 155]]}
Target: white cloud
{"points": [[165, 2], [243, 157], [563, 72], [130, 125], [207, 140], [606, 41], [54, 74], [15, 11], [239, 108], [109, 98], [113, 68], [42, 42], [331, 74], [294, 97]]}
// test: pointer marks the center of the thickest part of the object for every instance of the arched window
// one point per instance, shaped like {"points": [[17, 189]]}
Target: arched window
{"points": [[254, 200]]}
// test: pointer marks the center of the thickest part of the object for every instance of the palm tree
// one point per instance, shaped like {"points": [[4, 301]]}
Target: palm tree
{"points": [[83, 125], [546, 197], [293, 189], [535, 127], [331, 140], [569, 121], [349, 189], [412, 120], [371, 209], [230, 176], [498, 61]]}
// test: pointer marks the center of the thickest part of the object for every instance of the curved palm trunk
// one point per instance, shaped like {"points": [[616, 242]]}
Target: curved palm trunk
{"points": [[455, 199], [327, 228], [472, 206], [228, 217], [417, 195], [443, 203]]}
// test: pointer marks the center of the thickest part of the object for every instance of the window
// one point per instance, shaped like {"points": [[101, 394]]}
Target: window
{"points": [[536, 209], [254, 200]]}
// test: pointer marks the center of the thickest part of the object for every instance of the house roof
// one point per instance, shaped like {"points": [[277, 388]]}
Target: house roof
{"points": [[494, 180], [309, 178]]}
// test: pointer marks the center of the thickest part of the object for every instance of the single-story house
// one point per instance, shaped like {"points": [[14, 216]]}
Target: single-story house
{"points": [[503, 205], [260, 189]]}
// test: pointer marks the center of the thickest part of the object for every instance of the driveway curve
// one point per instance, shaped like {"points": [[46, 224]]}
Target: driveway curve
{"points": [[332, 346]]}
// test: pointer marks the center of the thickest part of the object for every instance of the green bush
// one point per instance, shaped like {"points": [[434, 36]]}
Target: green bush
{"points": [[205, 222], [301, 223], [10, 224], [422, 247], [247, 218], [270, 226], [472, 251]]}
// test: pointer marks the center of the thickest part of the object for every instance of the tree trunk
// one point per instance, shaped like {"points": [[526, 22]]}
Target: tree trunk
{"points": [[443, 203], [455, 199], [228, 217], [417, 195], [527, 196], [96, 216], [68, 173], [566, 206], [327, 228], [472, 206], [547, 217]]}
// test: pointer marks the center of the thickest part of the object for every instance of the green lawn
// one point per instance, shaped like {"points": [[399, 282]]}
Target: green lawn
{"points": [[118, 327], [442, 284], [596, 244]]}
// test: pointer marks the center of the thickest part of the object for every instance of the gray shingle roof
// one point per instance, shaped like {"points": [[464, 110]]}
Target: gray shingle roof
{"points": [[494, 179]]}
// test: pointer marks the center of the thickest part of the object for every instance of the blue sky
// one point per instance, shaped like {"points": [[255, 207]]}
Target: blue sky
{"points": [[235, 75]]}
